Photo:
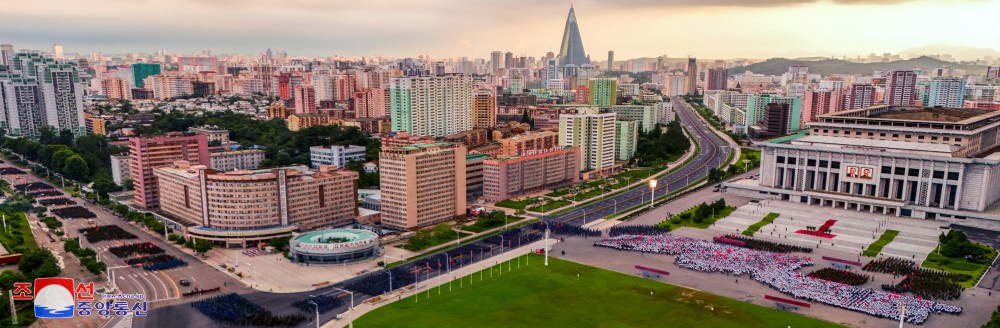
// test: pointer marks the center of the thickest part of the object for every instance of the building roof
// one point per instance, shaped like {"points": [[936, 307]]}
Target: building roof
{"points": [[878, 145]]}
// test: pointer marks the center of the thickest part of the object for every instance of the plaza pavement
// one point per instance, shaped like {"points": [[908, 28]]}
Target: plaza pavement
{"points": [[854, 230]]}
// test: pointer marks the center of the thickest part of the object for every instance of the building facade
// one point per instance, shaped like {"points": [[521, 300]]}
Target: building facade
{"points": [[147, 154], [484, 108], [936, 163], [901, 88], [247, 159], [256, 205], [602, 92], [626, 139], [422, 184], [336, 156], [946, 92], [506, 177], [431, 105], [594, 134]]}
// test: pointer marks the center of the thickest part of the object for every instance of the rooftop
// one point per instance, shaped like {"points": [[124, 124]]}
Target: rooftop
{"points": [[901, 113], [878, 145], [335, 236]]}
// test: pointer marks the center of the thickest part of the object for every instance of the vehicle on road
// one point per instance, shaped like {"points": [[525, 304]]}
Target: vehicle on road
{"points": [[184, 282]]}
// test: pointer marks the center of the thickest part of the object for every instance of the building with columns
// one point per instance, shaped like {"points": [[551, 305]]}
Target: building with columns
{"points": [[933, 163]]}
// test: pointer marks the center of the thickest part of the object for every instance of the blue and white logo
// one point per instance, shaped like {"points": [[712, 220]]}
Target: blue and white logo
{"points": [[54, 298]]}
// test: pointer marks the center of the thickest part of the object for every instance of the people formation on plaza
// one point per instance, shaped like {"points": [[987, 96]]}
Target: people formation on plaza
{"points": [[922, 282], [780, 272], [321, 303], [106, 232], [560, 228], [129, 250], [619, 230], [768, 246], [233, 309]]}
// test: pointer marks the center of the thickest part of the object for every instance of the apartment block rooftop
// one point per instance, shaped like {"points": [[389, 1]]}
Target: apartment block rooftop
{"points": [[915, 117]]}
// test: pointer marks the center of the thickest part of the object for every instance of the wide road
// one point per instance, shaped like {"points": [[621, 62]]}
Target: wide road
{"points": [[713, 154]]}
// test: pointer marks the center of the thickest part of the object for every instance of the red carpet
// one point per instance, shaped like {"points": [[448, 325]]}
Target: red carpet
{"points": [[819, 232]]}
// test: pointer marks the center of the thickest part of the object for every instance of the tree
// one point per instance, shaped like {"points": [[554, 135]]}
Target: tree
{"points": [[59, 159], [104, 185], [201, 246], [128, 184], [45, 154], [39, 263], [65, 137], [76, 168]]}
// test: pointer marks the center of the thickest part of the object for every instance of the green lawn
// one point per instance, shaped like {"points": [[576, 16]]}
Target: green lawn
{"points": [[934, 261], [876, 247], [768, 219], [586, 195], [549, 206], [515, 204], [567, 294], [19, 239], [558, 193], [690, 222]]}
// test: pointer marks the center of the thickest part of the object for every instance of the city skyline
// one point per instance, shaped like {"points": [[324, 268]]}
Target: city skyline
{"points": [[421, 28]]}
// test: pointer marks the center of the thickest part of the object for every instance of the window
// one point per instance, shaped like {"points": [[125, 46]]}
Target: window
{"points": [[914, 172], [920, 137], [816, 130], [952, 175], [870, 134], [835, 165], [938, 174], [823, 163], [934, 138], [811, 162], [881, 134], [857, 133], [826, 131], [900, 171], [947, 138], [792, 160], [886, 170], [780, 159], [958, 139], [908, 136], [895, 135]]}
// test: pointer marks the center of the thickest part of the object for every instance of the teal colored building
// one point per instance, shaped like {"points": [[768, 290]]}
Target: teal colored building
{"points": [[626, 139], [757, 104], [140, 71]]}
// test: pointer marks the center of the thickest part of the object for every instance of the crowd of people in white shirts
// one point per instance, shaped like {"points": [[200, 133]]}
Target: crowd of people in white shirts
{"points": [[779, 271]]}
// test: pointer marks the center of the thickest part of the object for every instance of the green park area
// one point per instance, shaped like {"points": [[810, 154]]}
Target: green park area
{"points": [[567, 294], [17, 237], [701, 216], [883, 240], [768, 219], [549, 205], [957, 254], [437, 235]]}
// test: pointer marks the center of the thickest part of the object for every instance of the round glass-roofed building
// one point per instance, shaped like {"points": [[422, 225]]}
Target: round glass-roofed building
{"points": [[335, 246]]}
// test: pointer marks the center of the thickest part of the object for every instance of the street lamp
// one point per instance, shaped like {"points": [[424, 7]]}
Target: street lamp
{"points": [[349, 292], [546, 243], [317, 312], [652, 194]]}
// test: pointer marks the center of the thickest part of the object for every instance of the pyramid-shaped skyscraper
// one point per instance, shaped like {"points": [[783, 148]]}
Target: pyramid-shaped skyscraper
{"points": [[571, 50]]}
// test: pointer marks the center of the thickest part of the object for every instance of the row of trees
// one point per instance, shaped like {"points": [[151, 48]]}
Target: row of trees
{"points": [[86, 159], [657, 147], [87, 256]]}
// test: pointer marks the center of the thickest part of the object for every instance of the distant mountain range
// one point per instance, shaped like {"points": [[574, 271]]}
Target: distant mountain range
{"points": [[778, 66]]}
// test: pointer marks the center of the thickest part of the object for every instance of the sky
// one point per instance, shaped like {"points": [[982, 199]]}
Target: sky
{"points": [[453, 28]]}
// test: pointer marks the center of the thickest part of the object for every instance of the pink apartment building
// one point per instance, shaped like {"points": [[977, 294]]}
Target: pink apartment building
{"points": [[257, 204], [819, 102], [147, 154], [507, 177]]}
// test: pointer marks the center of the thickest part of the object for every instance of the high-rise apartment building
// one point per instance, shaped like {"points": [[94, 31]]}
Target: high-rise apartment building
{"points": [[594, 134], [57, 51], [246, 159], [37, 91], [336, 155], [496, 62], [484, 108], [169, 86], [602, 92], [901, 89], [422, 184], [508, 60], [717, 79], [691, 84], [116, 88], [305, 99], [431, 105], [257, 204], [153, 152], [819, 102], [611, 60], [946, 92], [757, 107], [626, 139], [140, 71], [6, 54], [369, 102], [860, 96]]}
